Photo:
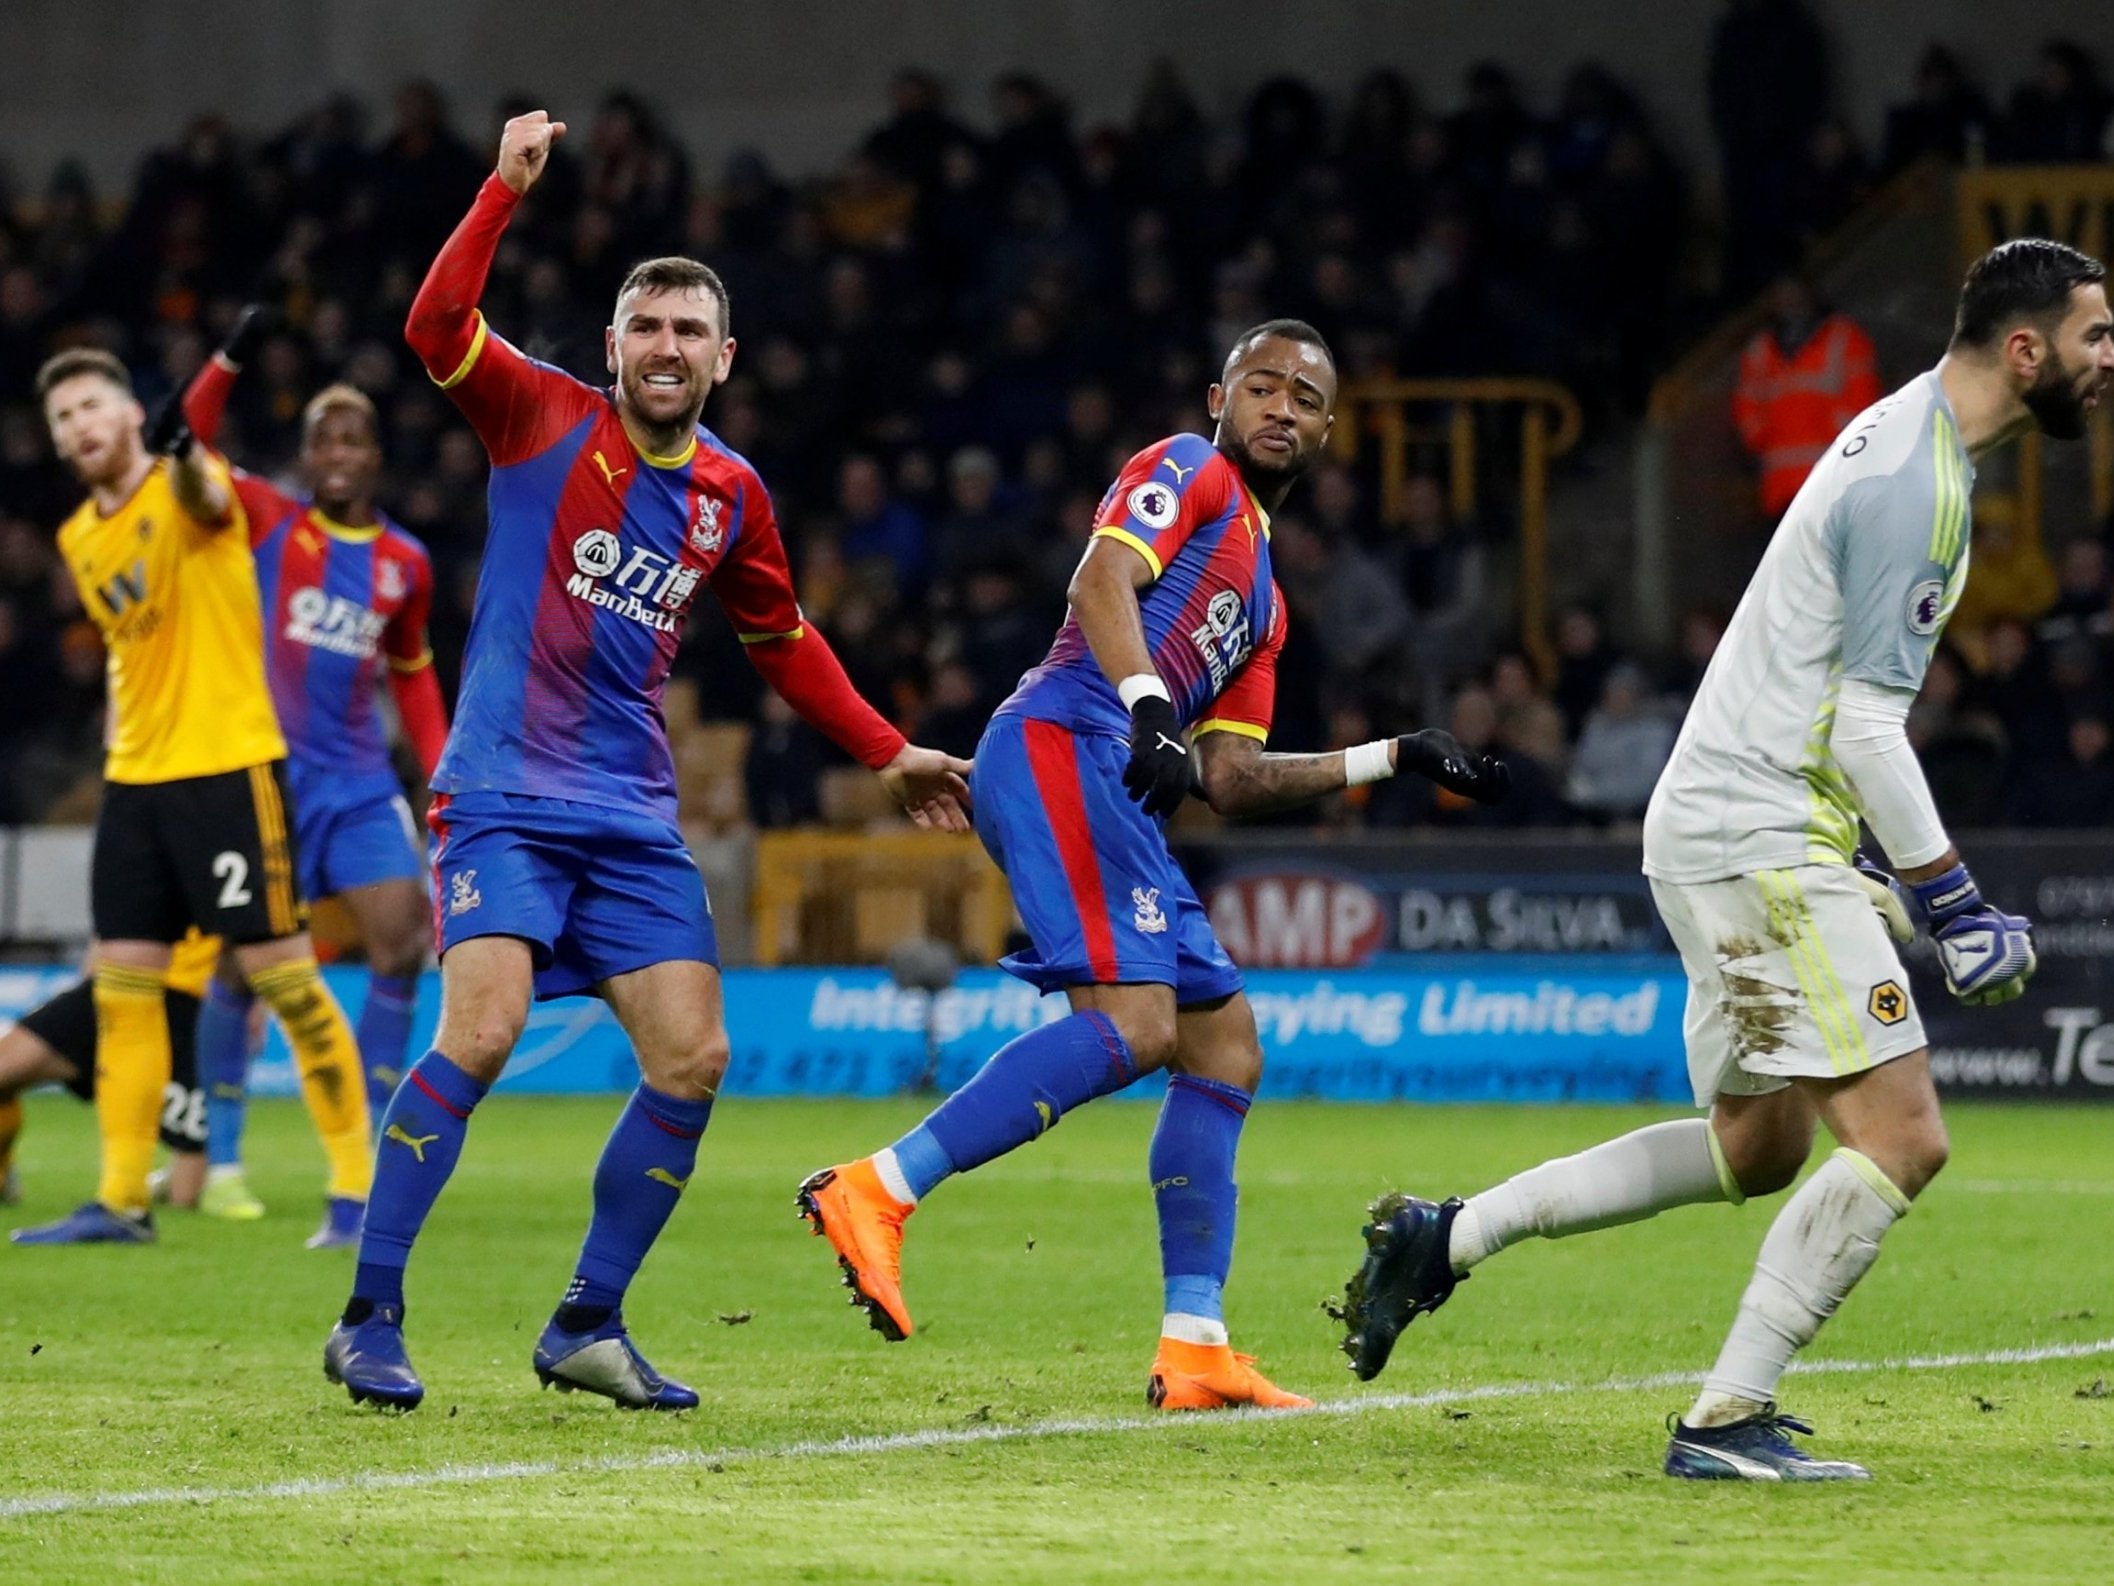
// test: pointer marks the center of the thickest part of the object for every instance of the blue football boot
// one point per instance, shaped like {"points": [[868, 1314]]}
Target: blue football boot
{"points": [[93, 1224], [1406, 1272], [604, 1360], [369, 1361], [343, 1218], [1755, 1449]]}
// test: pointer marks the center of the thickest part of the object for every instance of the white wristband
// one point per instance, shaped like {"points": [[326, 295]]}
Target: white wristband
{"points": [[1140, 685], [1368, 762]]}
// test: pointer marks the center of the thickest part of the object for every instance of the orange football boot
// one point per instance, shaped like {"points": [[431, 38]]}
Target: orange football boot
{"points": [[1212, 1377], [850, 1207]]}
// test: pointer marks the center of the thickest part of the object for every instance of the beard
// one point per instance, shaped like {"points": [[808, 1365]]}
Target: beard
{"points": [[1262, 465], [638, 391], [2054, 403]]}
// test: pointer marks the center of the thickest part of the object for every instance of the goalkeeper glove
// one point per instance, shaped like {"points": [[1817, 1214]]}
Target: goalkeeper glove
{"points": [[1439, 756], [1889, 902], [1987, 954]]}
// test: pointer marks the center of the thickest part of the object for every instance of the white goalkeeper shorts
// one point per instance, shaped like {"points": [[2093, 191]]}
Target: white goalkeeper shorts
{"points": [[1790, 975]]}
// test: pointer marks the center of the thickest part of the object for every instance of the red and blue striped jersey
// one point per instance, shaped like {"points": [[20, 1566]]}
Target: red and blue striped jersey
{"points": [[593, 557], [1214, 618], [340, 603]]}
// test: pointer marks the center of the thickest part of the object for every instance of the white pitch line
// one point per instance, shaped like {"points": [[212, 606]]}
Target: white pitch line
{"points": [[959, 1437]]}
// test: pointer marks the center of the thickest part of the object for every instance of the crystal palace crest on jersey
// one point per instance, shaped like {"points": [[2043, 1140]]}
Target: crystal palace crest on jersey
{"points": [[706, 536]]}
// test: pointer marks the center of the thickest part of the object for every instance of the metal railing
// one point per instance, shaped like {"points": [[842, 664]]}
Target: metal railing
{"points": [[1402, 417]]}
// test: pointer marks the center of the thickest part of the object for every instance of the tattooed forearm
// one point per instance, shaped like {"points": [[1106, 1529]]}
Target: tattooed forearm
{"points": [[1240, 779]]}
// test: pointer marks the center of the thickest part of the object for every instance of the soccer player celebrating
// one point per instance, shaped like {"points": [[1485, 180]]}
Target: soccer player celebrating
{"points": [[55, 1044], [1798, 1008], [193, 828], [1161, 682], [345, 591], [557, 859]]}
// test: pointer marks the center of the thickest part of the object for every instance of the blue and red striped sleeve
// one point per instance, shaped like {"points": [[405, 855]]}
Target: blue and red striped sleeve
{"points": [[754, 584], [1163, 496]]}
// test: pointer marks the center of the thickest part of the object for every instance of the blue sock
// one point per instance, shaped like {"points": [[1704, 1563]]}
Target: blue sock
{"points": [[223, 1045], [648, 1160], [384, 1033], [1193, 1190], [1027, 1087], [419, 1141]]}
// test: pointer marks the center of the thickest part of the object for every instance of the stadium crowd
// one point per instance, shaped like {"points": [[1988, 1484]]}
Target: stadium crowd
{"points": [[950, 343]]}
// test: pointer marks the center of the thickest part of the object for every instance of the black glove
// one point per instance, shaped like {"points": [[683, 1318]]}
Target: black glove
{"points": [[1439, 756], [256, 324], [168, 431], [1158, 773]]}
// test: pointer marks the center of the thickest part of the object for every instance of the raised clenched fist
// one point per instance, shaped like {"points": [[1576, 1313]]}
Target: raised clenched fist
{"points": [[525, 147]]}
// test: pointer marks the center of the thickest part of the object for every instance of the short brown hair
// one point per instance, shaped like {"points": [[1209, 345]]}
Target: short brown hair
{"points": [[63, 366], [332, 398], [677, 274]]}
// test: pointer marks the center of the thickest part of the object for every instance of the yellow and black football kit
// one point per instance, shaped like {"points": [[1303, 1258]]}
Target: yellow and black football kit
{"points": [[194, 828]]}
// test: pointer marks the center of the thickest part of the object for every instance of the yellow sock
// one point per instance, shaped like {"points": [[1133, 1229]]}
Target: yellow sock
{"points": [[328, 1058], [131, 1073], [10, 1130]]}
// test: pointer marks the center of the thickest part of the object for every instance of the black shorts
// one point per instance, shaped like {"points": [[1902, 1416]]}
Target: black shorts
{"points": [[216, 852], [66, 1024]]}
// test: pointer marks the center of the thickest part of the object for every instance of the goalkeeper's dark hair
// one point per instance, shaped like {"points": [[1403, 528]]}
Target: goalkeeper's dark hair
{"points": [[1278, 329], [2029, 278], [677, 274], [63, 366]]}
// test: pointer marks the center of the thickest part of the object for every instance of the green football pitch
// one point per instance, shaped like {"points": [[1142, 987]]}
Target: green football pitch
{"points": [[163, 1415]]}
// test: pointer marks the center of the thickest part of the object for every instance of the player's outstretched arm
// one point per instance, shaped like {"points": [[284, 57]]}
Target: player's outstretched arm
{"points": [[204, 494], [1237, 778], [932, 787], [444, 329], [205, 400], [755, 589]]}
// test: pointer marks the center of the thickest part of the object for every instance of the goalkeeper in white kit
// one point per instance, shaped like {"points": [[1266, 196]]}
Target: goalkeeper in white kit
{"points": [[1798, 1009]]}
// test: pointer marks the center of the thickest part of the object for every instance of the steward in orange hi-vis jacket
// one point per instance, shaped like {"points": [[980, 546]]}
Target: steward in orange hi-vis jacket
{"points": [[1802, 379]]}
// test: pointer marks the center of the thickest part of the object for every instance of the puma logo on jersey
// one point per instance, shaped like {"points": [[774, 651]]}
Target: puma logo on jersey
{"points": [[661, 1175], [609, 475], [1180, 473], [403, 1136]]}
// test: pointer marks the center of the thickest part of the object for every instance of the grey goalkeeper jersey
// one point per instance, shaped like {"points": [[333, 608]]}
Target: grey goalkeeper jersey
{"points": [[1858, 582]]}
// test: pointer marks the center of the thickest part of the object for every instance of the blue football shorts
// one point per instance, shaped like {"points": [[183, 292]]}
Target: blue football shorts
{"points": [[595, 892], [1102, 897], [353, 836]]}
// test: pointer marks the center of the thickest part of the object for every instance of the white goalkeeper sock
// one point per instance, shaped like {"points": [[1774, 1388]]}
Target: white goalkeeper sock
{"points": [[1824, 1240], [1618, 1181]]}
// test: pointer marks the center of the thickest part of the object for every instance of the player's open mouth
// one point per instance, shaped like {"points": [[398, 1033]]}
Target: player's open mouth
{"points": [[666, 382]]}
